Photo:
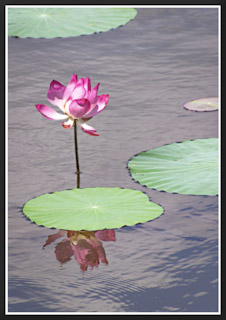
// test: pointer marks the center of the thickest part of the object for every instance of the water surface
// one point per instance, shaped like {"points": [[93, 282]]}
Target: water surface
{"points": [[150, 67]]}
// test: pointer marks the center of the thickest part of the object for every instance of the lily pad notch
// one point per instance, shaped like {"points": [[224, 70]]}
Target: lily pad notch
{"points": [[91, 209], [188, 167]]}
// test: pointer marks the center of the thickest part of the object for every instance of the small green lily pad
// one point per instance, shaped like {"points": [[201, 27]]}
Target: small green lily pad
{"points": [[188, 167], [206, 104], [65, 22], [91, 209]]}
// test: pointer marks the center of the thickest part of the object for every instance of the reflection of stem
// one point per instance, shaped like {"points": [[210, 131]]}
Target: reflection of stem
{"points": [[76, 154]]}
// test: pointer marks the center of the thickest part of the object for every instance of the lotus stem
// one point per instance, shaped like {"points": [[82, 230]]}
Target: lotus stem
{"points": [[76, 154]]}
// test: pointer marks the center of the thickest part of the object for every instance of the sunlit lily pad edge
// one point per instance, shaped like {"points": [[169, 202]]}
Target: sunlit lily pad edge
{"points": [[203, 105], [63, 22], [91, 209]]}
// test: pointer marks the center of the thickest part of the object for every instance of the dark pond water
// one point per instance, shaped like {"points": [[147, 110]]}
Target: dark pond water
{"points": [[150, 67]]}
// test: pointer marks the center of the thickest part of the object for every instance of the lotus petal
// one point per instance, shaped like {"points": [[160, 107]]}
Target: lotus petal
{"points": [[78, 108], [87, 86], [70, 87], [88, 129], [50, 113], [100, 106], [68, 124], [55, 94]]}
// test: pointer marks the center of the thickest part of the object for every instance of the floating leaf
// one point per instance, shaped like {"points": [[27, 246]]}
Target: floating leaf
{"points": [[91, 209], [206, 104], [65, 22], [188, 167]]}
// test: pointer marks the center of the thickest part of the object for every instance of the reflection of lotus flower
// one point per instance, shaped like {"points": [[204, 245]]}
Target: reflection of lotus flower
{"points": [[84, 245], [88, 250], [105, 235], [77, 101], [53, 237], [63, 251]]}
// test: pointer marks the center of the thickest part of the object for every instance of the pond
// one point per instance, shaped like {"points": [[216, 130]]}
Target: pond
{"points": [[150, 67]]}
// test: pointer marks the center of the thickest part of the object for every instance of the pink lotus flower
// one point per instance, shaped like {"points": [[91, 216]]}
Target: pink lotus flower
{"points": [[77, 102]]}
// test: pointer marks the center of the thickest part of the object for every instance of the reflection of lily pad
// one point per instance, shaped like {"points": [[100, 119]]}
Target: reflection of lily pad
{"points": [[188, 167], [65, 22], [91, 209], [207, 104]]}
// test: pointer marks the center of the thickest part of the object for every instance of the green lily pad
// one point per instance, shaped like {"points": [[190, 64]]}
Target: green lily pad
{"points": [[206, 104], [65, 22], [188, 167], [91, 209]]}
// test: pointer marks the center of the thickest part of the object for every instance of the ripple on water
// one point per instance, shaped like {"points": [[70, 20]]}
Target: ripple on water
{"points": [[159, 62]]}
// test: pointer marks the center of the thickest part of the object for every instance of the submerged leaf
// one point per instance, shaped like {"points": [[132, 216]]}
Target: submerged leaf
{"points": [[206, 104]]}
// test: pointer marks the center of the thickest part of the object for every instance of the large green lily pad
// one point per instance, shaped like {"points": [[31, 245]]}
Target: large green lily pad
{"points": [[188, 167], [91, 209], [39, 22]]}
